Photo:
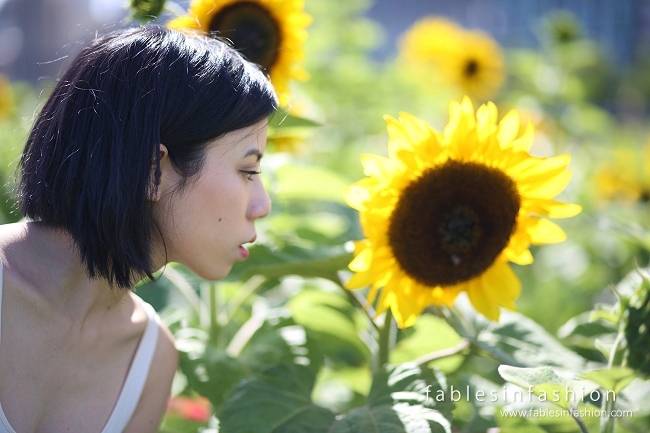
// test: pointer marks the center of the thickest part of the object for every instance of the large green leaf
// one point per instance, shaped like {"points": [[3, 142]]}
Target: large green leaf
{"points": [[265, 347], [612, 379], [547, 384], [330, 320], [213, 372], [430, 334], [278, 401], [209, 370], [512, 424], [419, 397], [520, 341], [321, 262]]}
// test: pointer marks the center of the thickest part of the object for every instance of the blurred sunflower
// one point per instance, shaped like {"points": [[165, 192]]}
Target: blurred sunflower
{"points": [[270, 33], [625, 177], [469, 60], [6, 97], [446, 212]]}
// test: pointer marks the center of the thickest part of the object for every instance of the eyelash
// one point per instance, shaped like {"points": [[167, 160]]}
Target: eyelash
{"points": [[250, 173]]}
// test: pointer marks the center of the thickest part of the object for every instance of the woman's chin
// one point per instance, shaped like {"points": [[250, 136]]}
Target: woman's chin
{"points": [[212, 273]]}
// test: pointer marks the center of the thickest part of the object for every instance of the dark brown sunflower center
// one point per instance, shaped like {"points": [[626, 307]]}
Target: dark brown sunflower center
{"points": [[252, 29], [471, 68], [451, 223]]}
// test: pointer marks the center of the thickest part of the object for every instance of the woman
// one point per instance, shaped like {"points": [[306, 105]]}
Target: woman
{"points": [[147, 152]]}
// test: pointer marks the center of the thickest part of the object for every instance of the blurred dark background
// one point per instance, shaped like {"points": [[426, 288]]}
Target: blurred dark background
{"points": [[37, 37]]}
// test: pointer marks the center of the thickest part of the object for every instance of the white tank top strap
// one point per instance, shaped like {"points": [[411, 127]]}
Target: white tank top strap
{"points": [[136, 377]]}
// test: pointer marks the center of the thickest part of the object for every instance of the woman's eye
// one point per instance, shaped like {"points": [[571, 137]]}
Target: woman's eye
{"points": [[250, 173]]}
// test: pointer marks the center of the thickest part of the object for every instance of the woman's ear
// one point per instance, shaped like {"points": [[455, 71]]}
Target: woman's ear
{"points": [[159, 163]]}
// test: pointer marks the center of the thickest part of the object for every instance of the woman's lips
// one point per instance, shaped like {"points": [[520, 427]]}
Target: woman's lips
{"points": [[243, 252]]}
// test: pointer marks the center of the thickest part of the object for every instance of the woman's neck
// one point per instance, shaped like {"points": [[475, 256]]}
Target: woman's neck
{"points": [[47, 261]]}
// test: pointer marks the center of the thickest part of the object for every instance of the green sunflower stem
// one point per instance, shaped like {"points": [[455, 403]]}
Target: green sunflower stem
{"points": [[457, 320], [384, 340], [607, 422], [215, 328]]}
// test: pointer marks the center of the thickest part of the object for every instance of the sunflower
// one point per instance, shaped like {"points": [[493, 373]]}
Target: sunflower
{"points": [[6, 97], [469, 60], [624, 177], [270, 33], [446, 212]]}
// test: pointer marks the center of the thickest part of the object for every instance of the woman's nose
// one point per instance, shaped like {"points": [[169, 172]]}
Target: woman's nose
{"points": [[260, 205]]}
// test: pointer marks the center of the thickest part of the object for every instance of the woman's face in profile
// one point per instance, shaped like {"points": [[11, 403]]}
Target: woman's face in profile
{"points": [[205, 225]]}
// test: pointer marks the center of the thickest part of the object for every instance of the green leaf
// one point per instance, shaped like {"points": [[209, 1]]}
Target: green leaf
{"points": [[519, 340], [583, 327], [612, 379], [512, 424], [212, 372], [430, 334], [548, 385], [266, 346], [321, 184], [417, 396], [278, 401], [320, 261], [209, 371], [330, 320]]}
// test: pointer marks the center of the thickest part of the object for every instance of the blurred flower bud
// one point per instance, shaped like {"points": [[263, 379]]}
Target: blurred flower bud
{"points": [[146, 10]]}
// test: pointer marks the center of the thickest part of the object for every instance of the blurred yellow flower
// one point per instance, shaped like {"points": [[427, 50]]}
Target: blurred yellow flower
{"points": [[270, 33], [624, 177], [469, 60], [446, 212], [6, 97]]}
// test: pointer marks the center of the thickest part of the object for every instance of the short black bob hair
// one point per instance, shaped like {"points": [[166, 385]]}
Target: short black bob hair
{"points": [[86, 166]]}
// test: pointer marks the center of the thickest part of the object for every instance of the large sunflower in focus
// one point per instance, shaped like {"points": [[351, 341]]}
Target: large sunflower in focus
{"points": [[270, 33], [469, 60], [446, 212]]}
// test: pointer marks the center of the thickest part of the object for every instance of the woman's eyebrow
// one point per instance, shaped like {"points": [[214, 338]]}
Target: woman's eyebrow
{"points": [[255, 152]]}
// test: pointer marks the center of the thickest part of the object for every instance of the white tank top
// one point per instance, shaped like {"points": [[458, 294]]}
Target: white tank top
{"points": [[133, 384]]}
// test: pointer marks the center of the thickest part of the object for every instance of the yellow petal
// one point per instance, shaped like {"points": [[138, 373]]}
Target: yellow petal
{"points": [[508, 128], [397, 136], [531, 169], [544, 231], [418, 130], [486, 120], [377, 166], [521, 258], [356, 196], [481, 301], [362, 261], [525, 142], [551, 208], [546, 188], [359, 280], [501, 285]]}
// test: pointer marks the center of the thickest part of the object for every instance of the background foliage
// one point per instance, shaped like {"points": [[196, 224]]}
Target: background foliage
{"points": [[280, 346]]}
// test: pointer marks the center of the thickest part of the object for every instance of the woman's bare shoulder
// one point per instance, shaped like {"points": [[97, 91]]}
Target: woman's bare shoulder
{"points": [[11, 233]]}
